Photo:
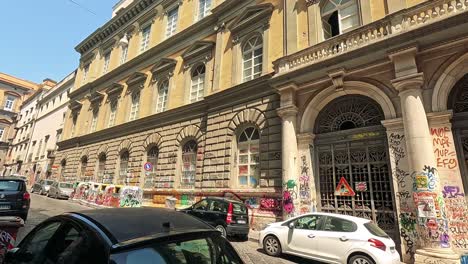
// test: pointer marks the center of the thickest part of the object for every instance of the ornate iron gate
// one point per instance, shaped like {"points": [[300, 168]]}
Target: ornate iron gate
{"points": [[351, 143]]}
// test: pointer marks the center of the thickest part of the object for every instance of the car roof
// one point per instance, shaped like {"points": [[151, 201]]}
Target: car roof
{"points": [[347, 217], [11, 179], [224, 199], [123, 224]]}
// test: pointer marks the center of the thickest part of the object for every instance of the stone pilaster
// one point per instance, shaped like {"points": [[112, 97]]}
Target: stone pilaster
{"points": [[433, 242], [307, 192]]}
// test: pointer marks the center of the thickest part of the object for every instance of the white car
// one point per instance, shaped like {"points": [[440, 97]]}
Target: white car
{"points": [[330, 238]]}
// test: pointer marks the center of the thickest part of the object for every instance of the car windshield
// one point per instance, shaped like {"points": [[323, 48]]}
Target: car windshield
{"points": [[48, 182], [201, 251], [66, 185], [239, 208], [375, 229], [9, 185]]}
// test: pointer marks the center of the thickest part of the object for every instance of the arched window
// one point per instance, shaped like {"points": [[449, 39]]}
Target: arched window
{"points": [[161, 104], [135, 107], [113, 112], [252, 58], [84, 164], [197, 88], [248, 145], [189, 164], [339, 16], [63, 166], [123, 168], [152, 157], [101, 167], [94, 120]]}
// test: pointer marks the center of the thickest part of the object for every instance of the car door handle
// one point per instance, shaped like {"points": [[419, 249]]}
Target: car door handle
{"points": [[311, 236], [343, 239]]}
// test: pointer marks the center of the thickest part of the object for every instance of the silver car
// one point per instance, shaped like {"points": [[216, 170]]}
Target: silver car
{"points": [[60, 190], [42, 187]]}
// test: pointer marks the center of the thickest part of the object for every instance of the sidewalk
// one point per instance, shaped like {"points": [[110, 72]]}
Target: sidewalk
{"points": [[254, 236]]}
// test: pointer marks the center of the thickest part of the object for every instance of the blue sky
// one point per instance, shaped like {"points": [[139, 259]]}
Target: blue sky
{"points": [[39, 36]]}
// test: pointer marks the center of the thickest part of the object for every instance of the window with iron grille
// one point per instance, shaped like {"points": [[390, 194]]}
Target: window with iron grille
{"points": [[248, 155], [189, 164]]}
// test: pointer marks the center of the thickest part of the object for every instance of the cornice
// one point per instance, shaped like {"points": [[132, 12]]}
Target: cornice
{"points": [[251, 15], [224, 99]]}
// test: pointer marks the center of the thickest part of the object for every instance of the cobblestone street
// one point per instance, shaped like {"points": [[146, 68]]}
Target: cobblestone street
{"points": [[43, 207]]}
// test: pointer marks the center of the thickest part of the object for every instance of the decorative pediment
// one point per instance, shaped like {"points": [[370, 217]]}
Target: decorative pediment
{"points": [[197, 49], [85, 59], [95, 97], [250, 16], [164, 66], [168, 3], [75, 105], [137, 79], [115, 90]]}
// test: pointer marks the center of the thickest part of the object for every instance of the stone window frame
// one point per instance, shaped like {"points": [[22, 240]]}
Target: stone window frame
{"points": [[101, 166], [169, 6], [147, 25], [255, 20], [119, 165], [152, 140], [197, 15], [2, 132], [201, 52], [235, 150], [315, 26], [84, 160], [162, 71], [95, 99], [183, 143], [135, 84], [114, 94], [186, 134]]}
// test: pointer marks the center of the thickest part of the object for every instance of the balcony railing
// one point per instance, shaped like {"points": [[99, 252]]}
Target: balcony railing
{"points": [[397, 23]]}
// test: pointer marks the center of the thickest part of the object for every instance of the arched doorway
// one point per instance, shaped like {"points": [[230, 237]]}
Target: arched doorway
{"points": [[458, 102], [351, 143]]}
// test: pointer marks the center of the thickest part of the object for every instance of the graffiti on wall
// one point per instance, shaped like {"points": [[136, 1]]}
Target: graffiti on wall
{"points": [[304, 187], [457, 213], [443, 149], [131, 196], [288, 197], [396, 143]]}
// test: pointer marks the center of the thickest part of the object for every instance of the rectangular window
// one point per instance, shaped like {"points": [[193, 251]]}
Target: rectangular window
{"points": [[74, 119], [204, 8], [145, 38], [135, 107], [85, 73], [10, 100], [123, 55], [113, 113], [106, 63], [161, 104], [172, 17], [1, 133], [94, 121]]}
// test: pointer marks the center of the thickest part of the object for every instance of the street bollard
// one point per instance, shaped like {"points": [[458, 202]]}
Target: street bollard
{"points": [[9, 226]]}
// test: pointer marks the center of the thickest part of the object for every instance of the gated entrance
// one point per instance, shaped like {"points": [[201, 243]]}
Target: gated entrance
{"points": [[351, 143]]}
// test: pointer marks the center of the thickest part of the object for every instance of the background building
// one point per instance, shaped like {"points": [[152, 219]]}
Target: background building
{"points": [[13, 91], [48, 125], [24, 126]]}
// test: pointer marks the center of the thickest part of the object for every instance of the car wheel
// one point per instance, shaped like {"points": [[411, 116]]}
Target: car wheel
{"points": [[221, 229], [272, 246], [360, 259]]}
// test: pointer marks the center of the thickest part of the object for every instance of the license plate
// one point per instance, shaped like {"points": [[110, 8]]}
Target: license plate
{"points": [[241, 221], [4, 207]]}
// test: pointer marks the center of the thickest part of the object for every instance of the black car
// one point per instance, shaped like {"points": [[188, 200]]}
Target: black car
{"points": [[124, 236], [230, 217], [14, 198]]}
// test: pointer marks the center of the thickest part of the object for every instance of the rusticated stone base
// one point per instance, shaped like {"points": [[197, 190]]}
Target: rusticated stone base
{"points": [[436, 256]]}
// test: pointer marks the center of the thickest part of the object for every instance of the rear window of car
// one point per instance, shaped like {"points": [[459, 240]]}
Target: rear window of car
{"points": [[239, 208], [66, 185], [201, 251], [10, 185], [375, 229]]}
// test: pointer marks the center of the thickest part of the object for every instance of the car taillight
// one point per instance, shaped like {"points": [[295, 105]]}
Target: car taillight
{"points": [[377, 244], [26, 196], [229, 214]]}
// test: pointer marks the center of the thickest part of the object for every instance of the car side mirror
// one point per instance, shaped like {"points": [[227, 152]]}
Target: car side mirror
{"points": [[291, 225]]}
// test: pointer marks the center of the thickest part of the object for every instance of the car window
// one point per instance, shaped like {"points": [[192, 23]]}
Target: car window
{"points": [[32, 248], [202, 205], [375, 229], [218, 206], [238, 208], [309, 222], [66, 185], [48, 182], [339, 225], [68, 246], [193, 251], [10, 185]]}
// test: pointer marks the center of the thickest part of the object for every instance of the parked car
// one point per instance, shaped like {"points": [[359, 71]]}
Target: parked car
{"points": [[228, 216], [330, 238], [42, 187], [14, 198], [60, 190], [156, 235]]}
